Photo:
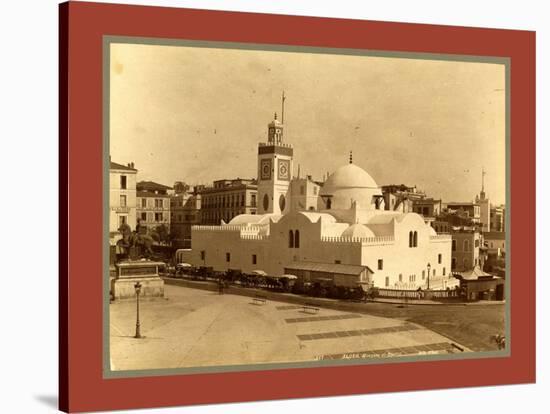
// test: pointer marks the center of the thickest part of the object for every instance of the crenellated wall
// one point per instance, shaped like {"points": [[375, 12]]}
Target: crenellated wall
{"points": [[363, 240], [248, 248]]}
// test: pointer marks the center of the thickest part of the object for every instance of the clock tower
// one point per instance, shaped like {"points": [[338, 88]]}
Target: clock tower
{"points": [[274, 171]]}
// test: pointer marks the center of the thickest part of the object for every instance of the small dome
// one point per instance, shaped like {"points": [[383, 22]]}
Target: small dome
{"points": [[275, 121], [253, 219], [358, 230]]}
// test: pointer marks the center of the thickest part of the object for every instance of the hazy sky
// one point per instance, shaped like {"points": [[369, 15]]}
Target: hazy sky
{"points": [[197, 115]]}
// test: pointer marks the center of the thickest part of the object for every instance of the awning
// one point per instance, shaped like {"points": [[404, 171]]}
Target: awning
{"points": [[335, 268], [473, 274]]}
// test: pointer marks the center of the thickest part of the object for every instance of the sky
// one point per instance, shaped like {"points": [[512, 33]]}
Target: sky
{"points": [[197, 114]]}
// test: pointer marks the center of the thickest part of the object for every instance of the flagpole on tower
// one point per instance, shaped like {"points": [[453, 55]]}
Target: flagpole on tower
{"points": [[283, 108]]}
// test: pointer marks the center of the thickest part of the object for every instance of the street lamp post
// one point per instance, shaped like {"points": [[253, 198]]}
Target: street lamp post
{"points": [[137, 287], [429, 267]]}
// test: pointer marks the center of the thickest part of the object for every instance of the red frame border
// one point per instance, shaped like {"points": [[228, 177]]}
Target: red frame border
{"points": [[81, 383]]}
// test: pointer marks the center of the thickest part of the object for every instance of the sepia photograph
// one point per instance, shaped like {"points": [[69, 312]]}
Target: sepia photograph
{"points": [[272, 207]]}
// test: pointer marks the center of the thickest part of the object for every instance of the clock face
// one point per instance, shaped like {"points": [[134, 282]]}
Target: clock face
{"points": [[284, 170], [265, 170]]}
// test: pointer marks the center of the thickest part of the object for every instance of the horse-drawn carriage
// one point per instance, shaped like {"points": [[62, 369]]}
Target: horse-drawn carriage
{"points": [[258, 279], [183, 269]]}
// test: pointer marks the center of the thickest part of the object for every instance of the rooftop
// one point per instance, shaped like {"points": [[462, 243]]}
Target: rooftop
{"points": [[475, 274], [459, 204], [117, 166], [151, 186], [151, 194], [345, 269]]}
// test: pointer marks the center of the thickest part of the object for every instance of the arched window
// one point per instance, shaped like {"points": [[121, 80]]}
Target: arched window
{"points": [[329, 203], [266, 202], [410, 239], [291, 239], [297, 239], [466, 245], [415, 239], [282, 202]]}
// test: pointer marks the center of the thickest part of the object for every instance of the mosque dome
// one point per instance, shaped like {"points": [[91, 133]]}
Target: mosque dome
{"points": [[358, 230], [346, 185], [350, 176]]}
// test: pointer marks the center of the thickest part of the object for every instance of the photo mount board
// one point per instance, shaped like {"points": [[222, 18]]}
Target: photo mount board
{"points": [[83, 28]]}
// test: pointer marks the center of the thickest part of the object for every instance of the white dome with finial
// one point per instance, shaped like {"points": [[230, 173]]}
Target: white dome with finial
{"points": [[349, 184]]}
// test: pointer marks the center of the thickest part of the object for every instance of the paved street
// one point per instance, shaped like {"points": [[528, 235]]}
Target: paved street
{"points": [[193, 327]]}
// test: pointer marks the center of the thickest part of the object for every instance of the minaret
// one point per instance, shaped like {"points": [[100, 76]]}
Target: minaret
{"points": [[482, 193], [274, 170], [484, 204]]}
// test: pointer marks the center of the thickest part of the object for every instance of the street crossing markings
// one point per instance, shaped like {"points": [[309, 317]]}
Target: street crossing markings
{"points": [[357, 332], [323, 318]]}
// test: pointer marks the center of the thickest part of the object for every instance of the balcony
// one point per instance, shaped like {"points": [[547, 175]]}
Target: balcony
{"points": [[121, 209]]}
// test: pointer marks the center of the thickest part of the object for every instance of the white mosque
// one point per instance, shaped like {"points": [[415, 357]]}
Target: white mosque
{"points": [[336, 232]]}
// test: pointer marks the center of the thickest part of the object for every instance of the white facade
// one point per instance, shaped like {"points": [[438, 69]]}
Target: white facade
{"points": [[352, 228], [304, 194], [383, 246], [122, 197]]}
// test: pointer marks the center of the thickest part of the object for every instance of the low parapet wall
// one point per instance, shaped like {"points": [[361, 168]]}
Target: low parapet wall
{"points": [[363, 240]]}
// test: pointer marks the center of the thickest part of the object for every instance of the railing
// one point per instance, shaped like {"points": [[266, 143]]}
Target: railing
{"points": [[272, 144], [365, 240], [153, 208], [124, 209], [247, 231], [453, 293], [216, 228], [253, 237], [416, 294], [228, 227]]}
